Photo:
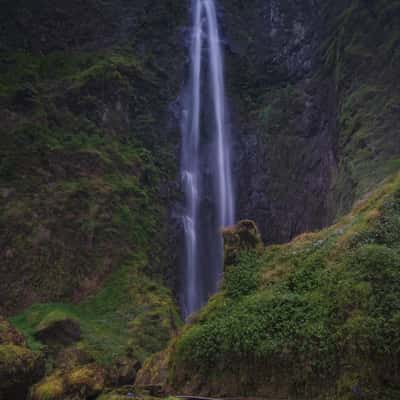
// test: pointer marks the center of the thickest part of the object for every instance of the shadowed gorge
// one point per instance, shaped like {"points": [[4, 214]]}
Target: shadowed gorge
{"points": [[134, 134]]}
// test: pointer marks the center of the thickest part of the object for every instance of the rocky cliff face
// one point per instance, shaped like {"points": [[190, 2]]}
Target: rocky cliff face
{"points": [[87, 141], [283, 115], [302, 101]]}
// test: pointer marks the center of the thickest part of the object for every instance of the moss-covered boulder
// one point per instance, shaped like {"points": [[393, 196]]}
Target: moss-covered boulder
{"points": [[50, 388], [241, 237], [123, 371], [72, 357], [88, 379], [19, 368], [82, 382], [10, 335], [154, 372], [58, 329]]}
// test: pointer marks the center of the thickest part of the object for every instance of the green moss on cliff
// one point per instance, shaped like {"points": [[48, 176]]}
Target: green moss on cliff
{"points": [[323, 313], [130, 313], [79, 172], [19, 368], [83, 158], [362, 52]]}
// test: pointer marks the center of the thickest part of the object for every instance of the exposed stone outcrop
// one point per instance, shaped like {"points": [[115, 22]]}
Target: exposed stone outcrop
{"points": [[242, 237], [80, 383], [123, 371], [19, 366], [72, 357], [154, 372], [285, 154]]}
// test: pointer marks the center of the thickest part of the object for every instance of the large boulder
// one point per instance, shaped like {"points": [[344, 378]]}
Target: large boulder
{"points": [[80, 383], [58, 330], [19, 369], [244, 236]]}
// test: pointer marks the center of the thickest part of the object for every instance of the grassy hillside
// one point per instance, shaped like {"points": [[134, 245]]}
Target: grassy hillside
{"points": [[316, 318], [132, 313]]}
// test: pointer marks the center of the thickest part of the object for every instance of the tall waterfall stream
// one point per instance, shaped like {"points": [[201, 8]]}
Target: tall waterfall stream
{"points": [[206, 160]]}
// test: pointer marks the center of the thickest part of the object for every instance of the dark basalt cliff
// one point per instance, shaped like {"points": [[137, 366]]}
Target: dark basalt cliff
{"points": [[284, 116], [305, 90]]}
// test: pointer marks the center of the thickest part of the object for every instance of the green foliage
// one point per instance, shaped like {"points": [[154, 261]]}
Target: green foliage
{"points": [[361, 51], [131, 311], [81, 174], [309, 308], [242, 279]]}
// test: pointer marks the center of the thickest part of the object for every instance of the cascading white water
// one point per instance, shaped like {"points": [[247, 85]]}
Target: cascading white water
{"points": [[206, 160]]}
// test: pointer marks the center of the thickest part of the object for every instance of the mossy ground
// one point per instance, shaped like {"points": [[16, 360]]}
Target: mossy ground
{"points": [[130, 313], [319, 312], [80, 197]]}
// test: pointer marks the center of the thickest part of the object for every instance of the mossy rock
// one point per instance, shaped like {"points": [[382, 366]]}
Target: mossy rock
{"points": [[241, 237], [58, 329], [154, 372], [50, 388], [10, 335], [19, 368], [79, 383], [123, 371], [88, 379], [72, 357]]}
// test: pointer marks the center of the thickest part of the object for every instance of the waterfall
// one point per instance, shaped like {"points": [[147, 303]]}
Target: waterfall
{"points": [[206, 160]]}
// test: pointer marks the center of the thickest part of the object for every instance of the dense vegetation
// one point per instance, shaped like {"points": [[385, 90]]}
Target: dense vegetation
{"points": [[85, 168], [315, 318]]}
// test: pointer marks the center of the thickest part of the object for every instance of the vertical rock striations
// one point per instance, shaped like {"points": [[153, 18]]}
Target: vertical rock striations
{"points": [[284, 116]]}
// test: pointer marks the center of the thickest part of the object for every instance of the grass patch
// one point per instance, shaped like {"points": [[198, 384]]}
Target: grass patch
{"points": [[327, 300], [130, 312]]}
